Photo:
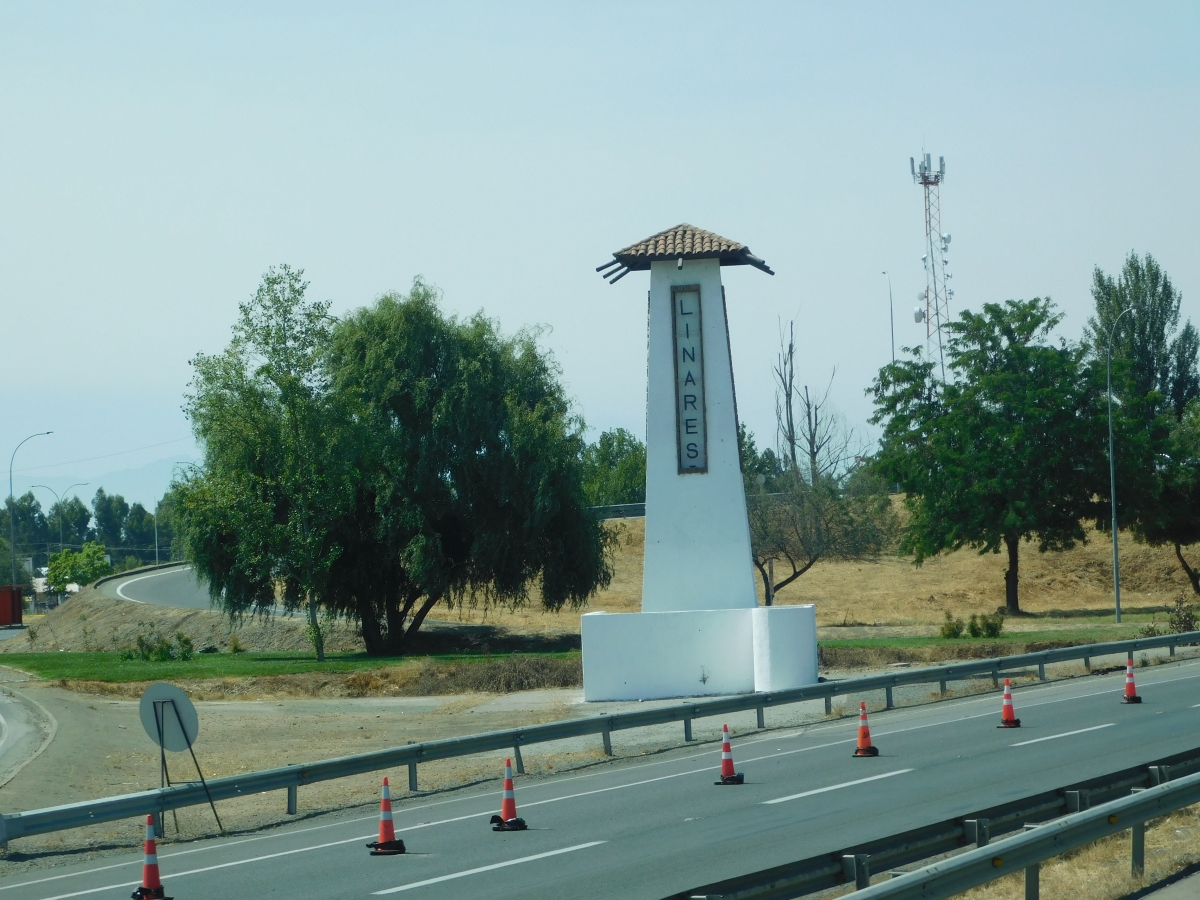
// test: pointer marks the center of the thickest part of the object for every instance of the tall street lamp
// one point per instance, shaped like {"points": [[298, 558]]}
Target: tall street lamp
{"points": [[1112, 472], [891, 315], [12, 513], [60, 506]]}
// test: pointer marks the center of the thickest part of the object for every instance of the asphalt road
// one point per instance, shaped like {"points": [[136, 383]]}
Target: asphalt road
{"points": [[165, 587], [650, 827]]}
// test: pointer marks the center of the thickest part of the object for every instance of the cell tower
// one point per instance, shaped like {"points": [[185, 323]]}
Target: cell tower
{"points": [[935, 312]]}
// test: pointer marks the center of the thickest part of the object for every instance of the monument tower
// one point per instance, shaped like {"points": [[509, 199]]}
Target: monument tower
{"points": [[700, 630]]}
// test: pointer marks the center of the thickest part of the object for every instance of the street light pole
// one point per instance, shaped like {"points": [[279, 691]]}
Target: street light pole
{"points": [[891, 315], [60, 506], [12, 513], [1112, 473]]}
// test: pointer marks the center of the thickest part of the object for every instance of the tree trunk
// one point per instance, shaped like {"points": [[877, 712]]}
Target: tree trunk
{"points": [[766, 580], [1192, 574], [1013, 542], [371, 631], [317, 638]]}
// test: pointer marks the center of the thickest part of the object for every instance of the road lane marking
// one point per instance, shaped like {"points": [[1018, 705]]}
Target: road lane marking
{"points": [[1055, 737], [124, 584], [810, 731], [492, 867], [834, 787], [236, 862]]}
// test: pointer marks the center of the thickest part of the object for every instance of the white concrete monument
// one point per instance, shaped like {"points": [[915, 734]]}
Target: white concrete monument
{"points": [[700, 631]]}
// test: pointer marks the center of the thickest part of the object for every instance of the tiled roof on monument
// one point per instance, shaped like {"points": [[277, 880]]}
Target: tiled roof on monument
{"points": [[681, 242]]}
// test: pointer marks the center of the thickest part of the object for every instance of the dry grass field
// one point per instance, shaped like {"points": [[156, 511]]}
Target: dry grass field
{"points": [[891, 591]]}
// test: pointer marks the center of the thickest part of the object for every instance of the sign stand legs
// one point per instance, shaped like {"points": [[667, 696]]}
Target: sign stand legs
{"points": [[165, 779]]}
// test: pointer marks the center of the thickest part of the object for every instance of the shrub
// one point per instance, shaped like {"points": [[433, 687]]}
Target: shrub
{"points": [[157, 648], [235, 646], [952, 627], [992, 625], [1182, 617], [974, 629]]}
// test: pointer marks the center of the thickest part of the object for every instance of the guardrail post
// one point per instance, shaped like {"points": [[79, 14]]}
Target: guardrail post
{"points": [[687, 729], [412, 777], [1138, 848], [3, 833], [291, 800], [1160, 774], [1087, 663], [607, 735], [856, 867], [977, 831], [942, 685], [888, 692], [517, 756], [996, 677], [1077, 801], [1041, 671], [828, 706], [158, 824], [1171, 649], [762, 722], [1033, 876]]}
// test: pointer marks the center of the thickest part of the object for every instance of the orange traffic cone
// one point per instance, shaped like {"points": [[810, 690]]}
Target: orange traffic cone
{"points": [[728, 776], [507, 820], [387, 845], [1007, 718], [865, 747], [151, 886], [1131, 694]]}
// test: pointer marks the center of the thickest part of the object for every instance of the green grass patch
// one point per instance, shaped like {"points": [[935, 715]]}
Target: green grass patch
{"points": [[1060, 635], [111, 668]]}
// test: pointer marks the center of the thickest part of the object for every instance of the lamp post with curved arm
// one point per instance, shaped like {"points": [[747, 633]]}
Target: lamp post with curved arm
{"points": [[12, 513], [60, 506], [1112, 472]]}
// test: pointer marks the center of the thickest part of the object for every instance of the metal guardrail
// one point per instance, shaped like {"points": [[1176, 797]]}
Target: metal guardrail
{"points": [[1027, 851], [1087, 802], [155, 802]]}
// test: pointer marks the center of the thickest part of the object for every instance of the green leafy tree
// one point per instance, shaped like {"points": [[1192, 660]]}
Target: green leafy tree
{"points": [[76, 522], [139, 528], [255, 515], [29, 525], [1168, 510], [1006, 451], [614, 469], [110, 512], [471, 481], [1154, 359], [83, 567]]}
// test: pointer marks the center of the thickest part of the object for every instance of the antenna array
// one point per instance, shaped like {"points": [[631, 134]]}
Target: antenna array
{"points": [[937, 295]]}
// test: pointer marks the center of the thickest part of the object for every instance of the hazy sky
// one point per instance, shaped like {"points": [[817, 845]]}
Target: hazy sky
{"points": [[156, 158]]}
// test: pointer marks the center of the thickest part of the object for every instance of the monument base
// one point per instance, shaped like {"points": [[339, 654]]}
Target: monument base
{"points": [[697, 653]]}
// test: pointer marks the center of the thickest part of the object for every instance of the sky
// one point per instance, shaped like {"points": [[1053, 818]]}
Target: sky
{"points": [[157, 158]]}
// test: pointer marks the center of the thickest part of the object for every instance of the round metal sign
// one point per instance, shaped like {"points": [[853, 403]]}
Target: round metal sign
{"points": [[169, 717]]}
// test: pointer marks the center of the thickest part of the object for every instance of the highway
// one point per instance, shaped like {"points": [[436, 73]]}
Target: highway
{"points": [[648, 827], [164, 587]]}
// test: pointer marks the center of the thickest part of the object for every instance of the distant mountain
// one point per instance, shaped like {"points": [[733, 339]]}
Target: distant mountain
{"points": [[145, 484]]}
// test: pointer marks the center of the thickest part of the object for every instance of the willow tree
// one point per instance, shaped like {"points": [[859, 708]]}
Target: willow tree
{"points": [[469, 481]]}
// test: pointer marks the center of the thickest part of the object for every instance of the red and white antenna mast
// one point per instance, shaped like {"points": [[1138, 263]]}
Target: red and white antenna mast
{"points": [[937, 296]]}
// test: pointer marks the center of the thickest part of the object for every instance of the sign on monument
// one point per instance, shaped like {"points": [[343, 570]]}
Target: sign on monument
{"points": [[691, 430]]}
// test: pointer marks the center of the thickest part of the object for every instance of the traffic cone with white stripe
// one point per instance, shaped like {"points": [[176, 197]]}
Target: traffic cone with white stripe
{"points": [[728, 776], [865, 747], [508, 820], [1008, 718], [387, 845], [152, 888], [1131, 694]]}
